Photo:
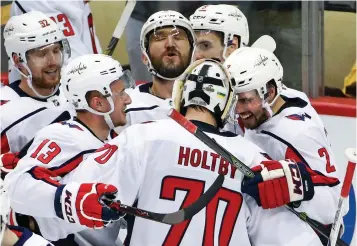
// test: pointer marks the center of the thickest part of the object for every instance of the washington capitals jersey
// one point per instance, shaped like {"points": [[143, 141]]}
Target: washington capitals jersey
{"points": [[295, 132], [145, 107], [56, 150], [164, 168], [21, 118]]}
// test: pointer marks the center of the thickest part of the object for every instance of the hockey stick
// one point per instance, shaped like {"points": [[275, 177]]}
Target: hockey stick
{"points": [[265, 42], [189, 126], [119, 29], [180, 215], [351, 155]]}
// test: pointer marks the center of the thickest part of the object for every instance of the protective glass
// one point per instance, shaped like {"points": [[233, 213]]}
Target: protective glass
{"points": [[127, 80], [172, 33], [55, 53]]}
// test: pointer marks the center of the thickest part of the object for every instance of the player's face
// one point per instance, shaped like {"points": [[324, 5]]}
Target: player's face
{"points": [[121, 99], [45, 64], [250, 109], [169, 51], [208, 45]]}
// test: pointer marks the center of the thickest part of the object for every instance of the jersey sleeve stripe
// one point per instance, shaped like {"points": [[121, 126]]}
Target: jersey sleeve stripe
{"points": [[5, 147], [141, 108], [71, 164], [44, 175], [291, 153], [21, 119]]}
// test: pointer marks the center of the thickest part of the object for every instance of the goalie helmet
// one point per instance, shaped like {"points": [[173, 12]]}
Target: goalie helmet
{"points": [[252, 69], [164, 19], [208, 84], [227, 19], [93, 72], [29, 31]]}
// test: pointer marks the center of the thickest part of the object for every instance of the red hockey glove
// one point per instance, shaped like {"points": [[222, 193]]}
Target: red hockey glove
{"points": [[91, 205], [8, 162], [277, 183]]}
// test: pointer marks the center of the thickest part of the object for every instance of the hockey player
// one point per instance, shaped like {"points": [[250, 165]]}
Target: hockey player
{"points": [[95, 85], [287, 128], [220, 30], [167, 42], [165, 168], [37, 48], [74, 18]]}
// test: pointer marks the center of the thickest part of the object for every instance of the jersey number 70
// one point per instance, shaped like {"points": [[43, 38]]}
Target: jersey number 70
{"points": [[194, 189]]}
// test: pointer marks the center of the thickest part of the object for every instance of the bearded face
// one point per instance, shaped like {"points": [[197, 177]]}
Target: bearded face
{"points": [[169, 51]]}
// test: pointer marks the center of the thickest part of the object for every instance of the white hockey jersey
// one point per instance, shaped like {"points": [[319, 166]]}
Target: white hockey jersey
{"points": [[295, 132], [7, 94], [74, 18], [164, 168], [22, 117], [145, 107], [59, 148]]}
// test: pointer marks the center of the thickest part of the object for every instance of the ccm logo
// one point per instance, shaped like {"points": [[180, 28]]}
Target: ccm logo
{"points": [[199, 17], [67, 207], [295, 175]]}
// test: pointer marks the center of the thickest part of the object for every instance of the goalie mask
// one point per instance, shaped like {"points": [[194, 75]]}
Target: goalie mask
{"points": [[166, 19], [208, 84], [223, 18], [93, 72], [34, 32]]}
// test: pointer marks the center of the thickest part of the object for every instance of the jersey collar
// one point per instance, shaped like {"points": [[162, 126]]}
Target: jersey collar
{"points": [[16, 87], [291, 102], [211, 129]]}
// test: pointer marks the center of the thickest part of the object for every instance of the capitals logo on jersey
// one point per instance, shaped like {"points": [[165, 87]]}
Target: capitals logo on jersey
{"points": [[298, 116]]}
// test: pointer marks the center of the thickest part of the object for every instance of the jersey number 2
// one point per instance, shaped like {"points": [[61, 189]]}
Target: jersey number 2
{"points": [[194, 189], [329, 168], [54, 150]]}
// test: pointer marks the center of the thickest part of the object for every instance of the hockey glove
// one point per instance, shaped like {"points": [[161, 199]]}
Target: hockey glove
{"points": [[8, 162], [91, 205], [277, 183]]}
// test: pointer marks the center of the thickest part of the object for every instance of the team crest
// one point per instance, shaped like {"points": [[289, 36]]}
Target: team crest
{"points": [[298, 116]]}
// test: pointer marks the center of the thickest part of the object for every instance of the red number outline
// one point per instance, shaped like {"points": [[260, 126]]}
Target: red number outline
{"points": [[109, 151], [195, 188]]}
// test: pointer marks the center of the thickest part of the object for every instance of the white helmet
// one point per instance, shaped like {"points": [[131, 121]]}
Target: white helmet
{"points": [[163, 19], [93, 72], [208, 84], [227, 19], [29, 31], [252, 69]]}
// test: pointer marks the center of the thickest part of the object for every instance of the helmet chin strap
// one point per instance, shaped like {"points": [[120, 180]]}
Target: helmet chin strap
{"points": [[29, 83], [106, 115]]}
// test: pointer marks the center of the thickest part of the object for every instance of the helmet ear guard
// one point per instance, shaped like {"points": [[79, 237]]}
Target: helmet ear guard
{"points": [[200, 85]]}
